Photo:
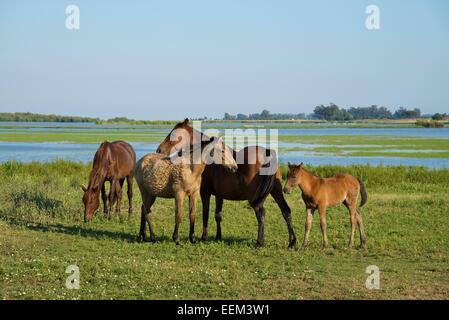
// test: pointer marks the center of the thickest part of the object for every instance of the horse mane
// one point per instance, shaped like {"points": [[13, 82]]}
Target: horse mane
{"points": [[100, 163]]}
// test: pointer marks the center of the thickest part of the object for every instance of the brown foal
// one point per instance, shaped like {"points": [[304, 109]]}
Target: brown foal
{"points": [[321, 193]]}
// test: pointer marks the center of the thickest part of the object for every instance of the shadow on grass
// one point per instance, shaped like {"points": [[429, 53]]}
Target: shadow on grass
{"points": [[89, 232]]}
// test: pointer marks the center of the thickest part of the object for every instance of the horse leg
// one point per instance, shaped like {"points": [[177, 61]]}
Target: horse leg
{"points": [[322, 211], [276, 193], [179, 199], [105, 199], [260, 215], [205, 199], [218, 216], [361, 230], [112, 196], [192, 213], [307, 227], [129, 182], [148, 202], [142, 234], [119, 192], [353, 219]]}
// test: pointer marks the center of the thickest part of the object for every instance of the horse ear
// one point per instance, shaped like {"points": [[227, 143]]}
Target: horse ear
{"points": [[301, 165], [83, 188], [219, 140], [186, 121]]}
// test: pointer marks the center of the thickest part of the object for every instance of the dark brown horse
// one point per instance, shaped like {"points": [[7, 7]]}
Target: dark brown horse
{"points": [[113, 162], [247, 183]]}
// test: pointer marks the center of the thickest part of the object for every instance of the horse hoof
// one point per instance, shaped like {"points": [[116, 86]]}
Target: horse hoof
{"points": [[217, 238], [192, 240], [203, 238]]}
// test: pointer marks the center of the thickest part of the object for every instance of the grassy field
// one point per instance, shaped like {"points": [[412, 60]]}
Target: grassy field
{"points": [[41, 233]]}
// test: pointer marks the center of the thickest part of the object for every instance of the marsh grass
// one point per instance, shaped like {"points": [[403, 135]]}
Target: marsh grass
{"points": [[41, 233]]}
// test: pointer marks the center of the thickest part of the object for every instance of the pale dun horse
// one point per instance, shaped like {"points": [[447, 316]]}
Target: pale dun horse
{"points": [[177, 176], [321, 193]]}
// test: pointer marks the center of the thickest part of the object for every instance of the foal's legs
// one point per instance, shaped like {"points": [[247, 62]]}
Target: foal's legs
{"points": [[192, 212], [218, 216], [351, 204], [276, 193], [129, 182], [105, 200], [260, 215], [322, 211], [205, 199], [361, 230], [353, 219], [307, 227], [179, 199]]}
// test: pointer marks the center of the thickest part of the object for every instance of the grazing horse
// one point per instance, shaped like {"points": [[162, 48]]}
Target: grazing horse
{"points": [[113, 162], [246, 184], [321, 193], [176, 176]]}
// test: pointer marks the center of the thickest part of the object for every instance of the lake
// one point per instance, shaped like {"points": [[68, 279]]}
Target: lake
{"points": [[84, 152]]}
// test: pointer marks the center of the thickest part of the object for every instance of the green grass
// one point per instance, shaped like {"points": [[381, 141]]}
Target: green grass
{"points": [[41, 233]]}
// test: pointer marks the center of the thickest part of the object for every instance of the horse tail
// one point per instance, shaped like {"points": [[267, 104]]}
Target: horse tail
{"points": [[266, 182], [362, 193]]}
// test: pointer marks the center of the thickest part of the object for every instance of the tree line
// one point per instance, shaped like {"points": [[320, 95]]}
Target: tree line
{"points": [[34, 117], [332, 112]]}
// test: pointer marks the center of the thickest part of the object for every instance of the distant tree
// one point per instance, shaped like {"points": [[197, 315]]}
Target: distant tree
{"points": [[440, 116], [372, 112], [331, 113], [265, 115], [403, 113], [227, 116]]}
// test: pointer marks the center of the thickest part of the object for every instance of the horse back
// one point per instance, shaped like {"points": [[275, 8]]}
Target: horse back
{"points": [[123, 156]]}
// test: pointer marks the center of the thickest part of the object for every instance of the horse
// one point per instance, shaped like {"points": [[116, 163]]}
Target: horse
{"points": [[246, 184], [176, 176], [113, 162], [321, 193]]}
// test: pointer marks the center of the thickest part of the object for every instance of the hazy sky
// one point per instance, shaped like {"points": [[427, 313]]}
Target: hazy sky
{"points": [[171, 59]]}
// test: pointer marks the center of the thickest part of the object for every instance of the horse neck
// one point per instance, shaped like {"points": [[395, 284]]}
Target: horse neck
{"points": [[99, 169], [307, 181], [194, 135], [197, 165]]}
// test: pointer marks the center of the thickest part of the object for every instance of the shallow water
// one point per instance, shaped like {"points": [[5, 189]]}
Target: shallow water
{"points": [[48, 151]]}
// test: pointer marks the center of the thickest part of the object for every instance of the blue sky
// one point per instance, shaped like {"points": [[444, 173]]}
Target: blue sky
{"points": [[171, 59]]}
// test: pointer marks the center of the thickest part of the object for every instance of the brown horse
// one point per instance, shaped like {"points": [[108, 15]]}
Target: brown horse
{"points": [[176, 176], [113, 162], [321, 193], [245, 184]]}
